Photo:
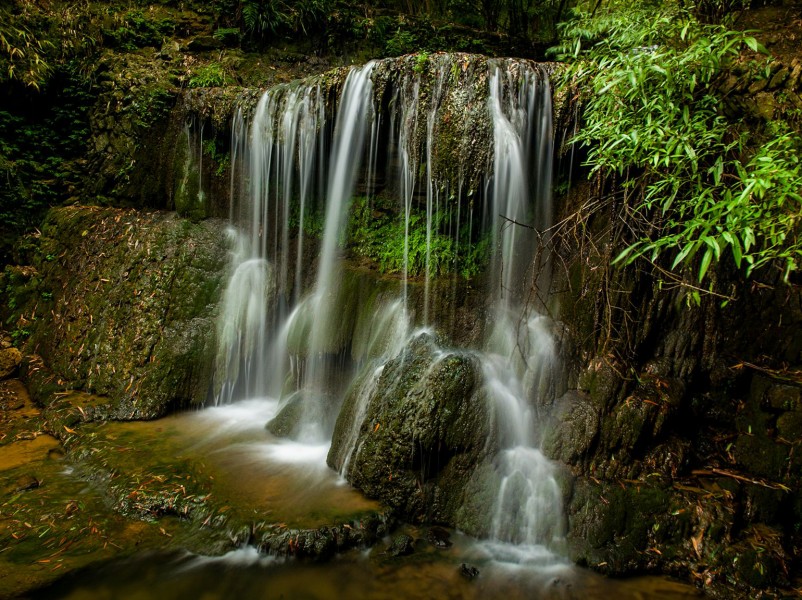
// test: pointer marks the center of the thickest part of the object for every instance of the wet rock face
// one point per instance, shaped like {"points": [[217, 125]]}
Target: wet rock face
{"points": [[426, 428], [287, 421], [680, 431], [127, 306]]}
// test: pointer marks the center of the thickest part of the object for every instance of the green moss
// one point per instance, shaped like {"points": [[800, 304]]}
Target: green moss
{"points": [[286, 422], [425, 431], [761, 456], [189, 199]]}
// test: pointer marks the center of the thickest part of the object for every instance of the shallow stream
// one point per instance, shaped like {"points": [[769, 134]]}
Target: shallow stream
{"points": [[255, 474]]}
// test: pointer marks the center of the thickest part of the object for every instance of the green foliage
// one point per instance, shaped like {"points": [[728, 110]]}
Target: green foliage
{"points": [[402, 42], [23, 55], [36, 151], [19, 335], [151, 105], [209, 75], [136, 30], [262, 19], [228, 35], [381, 238], [420, 62], [714, 11], [694, 187], [221, 157]]}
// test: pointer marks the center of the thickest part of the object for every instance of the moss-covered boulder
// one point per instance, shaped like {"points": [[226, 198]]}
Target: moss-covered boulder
{"points": [[126, 306], [424, 429], [287, 420], [10, 359]]}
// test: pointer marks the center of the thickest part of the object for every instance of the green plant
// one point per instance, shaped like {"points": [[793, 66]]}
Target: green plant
{"points": [[264, 17], [150, 105], [383, 238], [19, 335], [694, 186], [227, 35], [22, 53], [420, 62], [221, 158], [37, 152], [136, 30], [402, 42], [209, 75]]}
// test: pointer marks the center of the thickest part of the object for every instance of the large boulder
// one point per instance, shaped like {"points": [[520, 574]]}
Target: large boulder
{"points": [[422, 437]]}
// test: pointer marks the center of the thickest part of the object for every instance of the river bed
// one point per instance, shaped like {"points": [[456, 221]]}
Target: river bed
{"points": [[255, 476]]}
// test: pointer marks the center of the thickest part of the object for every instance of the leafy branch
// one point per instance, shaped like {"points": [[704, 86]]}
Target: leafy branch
{"points": [[653, 115]]}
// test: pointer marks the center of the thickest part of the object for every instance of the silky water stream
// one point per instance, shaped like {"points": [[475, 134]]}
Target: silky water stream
{"points": [[296, 334]]}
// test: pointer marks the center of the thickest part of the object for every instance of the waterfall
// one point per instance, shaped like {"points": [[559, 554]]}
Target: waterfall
{"points": [[520, 350], [464, 150], [353, 116]]}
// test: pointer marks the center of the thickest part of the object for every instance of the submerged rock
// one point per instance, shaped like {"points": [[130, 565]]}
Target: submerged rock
{"points": [[438, 537], [26, 482], [468, 571], [402, 545]]}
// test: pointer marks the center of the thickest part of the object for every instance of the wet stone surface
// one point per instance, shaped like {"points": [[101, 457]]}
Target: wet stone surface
{"points": [[107, 490]]}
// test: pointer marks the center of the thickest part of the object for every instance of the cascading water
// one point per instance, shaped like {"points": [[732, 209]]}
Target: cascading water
{"points": [[353, 116], [520, 348], [306, 340]]}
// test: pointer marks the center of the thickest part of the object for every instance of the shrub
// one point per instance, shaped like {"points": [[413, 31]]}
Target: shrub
{"points": [[695, 185], [209, 75]]}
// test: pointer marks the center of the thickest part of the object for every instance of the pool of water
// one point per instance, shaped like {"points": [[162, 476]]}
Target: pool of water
{"points": [[426, 574], [256, 477]]}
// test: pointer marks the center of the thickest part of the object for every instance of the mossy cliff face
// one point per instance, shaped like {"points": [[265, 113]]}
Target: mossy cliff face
{"points": [[124, 307], [681, 424], [425, 429]]}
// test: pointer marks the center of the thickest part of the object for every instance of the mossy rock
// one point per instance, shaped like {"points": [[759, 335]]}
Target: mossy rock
{"points": [[761, 456], [759, 560], [134, 306], [10, 359], [189, 199], [611, 525], [425, 429], [288, 419], [575, 423]]}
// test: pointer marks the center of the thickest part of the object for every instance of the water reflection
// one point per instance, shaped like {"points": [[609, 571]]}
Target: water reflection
{"points": [[427, 574]]}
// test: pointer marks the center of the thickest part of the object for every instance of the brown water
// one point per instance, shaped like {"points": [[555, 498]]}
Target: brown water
{"points": [[254, 475], [257, 477], [427, 574]]}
